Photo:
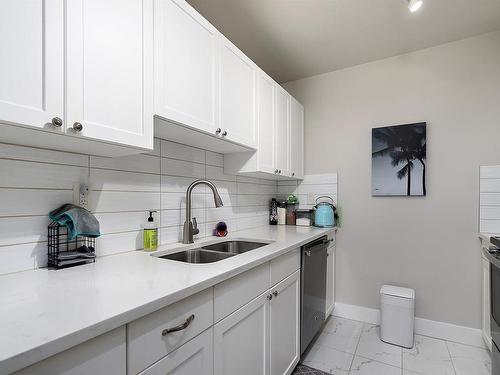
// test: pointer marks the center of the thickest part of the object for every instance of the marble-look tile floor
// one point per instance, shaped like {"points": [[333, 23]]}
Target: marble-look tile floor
{"points": [[348, 347]]}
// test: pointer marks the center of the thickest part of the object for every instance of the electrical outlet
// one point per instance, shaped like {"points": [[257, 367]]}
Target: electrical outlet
{"points": [[81, 194]]}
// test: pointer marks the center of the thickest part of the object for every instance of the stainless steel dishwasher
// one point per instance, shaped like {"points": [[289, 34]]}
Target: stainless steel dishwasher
{"points": [[313, 290]]}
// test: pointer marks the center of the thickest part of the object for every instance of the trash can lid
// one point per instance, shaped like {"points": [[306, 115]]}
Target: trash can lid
{"points": [[397, 291]]}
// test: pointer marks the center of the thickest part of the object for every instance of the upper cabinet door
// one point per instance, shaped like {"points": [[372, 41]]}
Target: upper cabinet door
{"points": [[282, 131], [32, 62], [296, 139], [238, 84], [266, 123], [110, 70], [186, 66]]}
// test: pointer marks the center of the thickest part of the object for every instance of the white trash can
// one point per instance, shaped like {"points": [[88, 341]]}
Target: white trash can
{"points": [[397, 315]]}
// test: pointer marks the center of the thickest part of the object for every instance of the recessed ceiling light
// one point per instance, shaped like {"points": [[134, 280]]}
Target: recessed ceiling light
{"points": [[414, 5]]}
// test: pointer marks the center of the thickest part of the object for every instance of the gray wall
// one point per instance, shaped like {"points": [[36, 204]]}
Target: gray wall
{"points": [[430, 243]]}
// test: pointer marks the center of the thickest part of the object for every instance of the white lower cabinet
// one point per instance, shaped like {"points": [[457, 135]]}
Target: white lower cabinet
{"points": [[486, 303], [148, 340], [285, 325], [262, 337], [258, 332], [103, 354], [330, 278], [194, 357], [241, 341]]}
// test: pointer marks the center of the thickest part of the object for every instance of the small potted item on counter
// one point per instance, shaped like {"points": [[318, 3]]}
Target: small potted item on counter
{"points": [[303, 217], [281, 212], [220, 229]]}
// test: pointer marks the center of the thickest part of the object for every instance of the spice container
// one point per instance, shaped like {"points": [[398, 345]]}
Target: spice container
{"points": [[281, 212], [290, 213], [303, 217]]}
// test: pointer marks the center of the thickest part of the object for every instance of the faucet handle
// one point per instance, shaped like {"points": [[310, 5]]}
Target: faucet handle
{"points": [[195, 226]]}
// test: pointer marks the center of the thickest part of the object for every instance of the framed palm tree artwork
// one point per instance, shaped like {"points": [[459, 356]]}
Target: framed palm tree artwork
{"points": [[399, 160]]}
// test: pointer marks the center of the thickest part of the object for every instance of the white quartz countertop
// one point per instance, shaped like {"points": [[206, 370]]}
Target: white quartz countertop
{"points": [[43, 312]]}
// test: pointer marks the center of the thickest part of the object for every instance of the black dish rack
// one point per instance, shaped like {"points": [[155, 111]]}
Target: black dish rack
{"points": [[65, 252]]}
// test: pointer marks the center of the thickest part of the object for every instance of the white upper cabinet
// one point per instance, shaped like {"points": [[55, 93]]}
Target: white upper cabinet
{"points": [[110, 70], [186, 66], [237, 92], [283, 132], [296, 139], [78, 68], [32, 63], [280, 146], [266, 124]]}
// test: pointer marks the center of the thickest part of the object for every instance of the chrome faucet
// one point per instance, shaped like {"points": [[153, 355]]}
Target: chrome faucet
{"points": [[191, 226]]}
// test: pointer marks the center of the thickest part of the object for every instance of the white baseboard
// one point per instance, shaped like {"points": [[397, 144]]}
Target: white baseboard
{"points": [[431, 328]]}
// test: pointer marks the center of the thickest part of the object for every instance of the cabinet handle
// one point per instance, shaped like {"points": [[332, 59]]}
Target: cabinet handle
{"points": [[279, 171], [217, 132], [57, 122], [307, 253], [180, 327], [275, 171], [78, 127], [270, 297], [293, 174], [224, 133], [275, 293]]}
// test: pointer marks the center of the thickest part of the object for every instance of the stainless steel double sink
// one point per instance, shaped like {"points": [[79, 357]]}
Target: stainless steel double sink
{"points": [[214, 252]]}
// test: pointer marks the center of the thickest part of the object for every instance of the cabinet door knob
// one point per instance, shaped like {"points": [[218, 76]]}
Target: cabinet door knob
{"points": [[217, 132], [57, 122], [224, 133], [78, 127], [279, 171], [293, 174], [270, 297], [275, 293], [275, 171]]}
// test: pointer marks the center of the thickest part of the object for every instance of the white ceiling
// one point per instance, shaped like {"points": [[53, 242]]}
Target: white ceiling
{"points": [[292, 39]]}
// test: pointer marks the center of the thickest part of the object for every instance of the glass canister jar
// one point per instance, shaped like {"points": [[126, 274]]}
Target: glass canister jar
{"points": [[290, 213], [281, 212], [304, 217]]}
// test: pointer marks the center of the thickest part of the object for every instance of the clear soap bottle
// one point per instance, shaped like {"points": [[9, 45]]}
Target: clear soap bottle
{"points": [[150, 234]]}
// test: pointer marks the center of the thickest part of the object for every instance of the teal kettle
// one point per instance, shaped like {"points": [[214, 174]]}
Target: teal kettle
{"points": [[324, 214]]}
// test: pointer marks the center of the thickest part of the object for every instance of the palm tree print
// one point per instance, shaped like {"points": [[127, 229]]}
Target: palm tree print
{"points": [[405, 145]]}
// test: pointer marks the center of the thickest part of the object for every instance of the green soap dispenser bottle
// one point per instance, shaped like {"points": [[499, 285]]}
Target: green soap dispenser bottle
{"points": [[150, 234]]}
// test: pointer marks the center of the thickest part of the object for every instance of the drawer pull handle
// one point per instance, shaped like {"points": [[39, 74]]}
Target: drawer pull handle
{"points": [[180, 327]]}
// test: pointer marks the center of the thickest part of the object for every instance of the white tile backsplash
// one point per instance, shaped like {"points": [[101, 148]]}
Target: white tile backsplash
{"points": [[489, 200], [35, 181], [312, 187]]}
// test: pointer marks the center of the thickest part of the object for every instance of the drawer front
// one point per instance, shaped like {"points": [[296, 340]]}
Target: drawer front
{"points": [[284, 266], [146, 341], [231, 294], [104, 354], [193, 358]]}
